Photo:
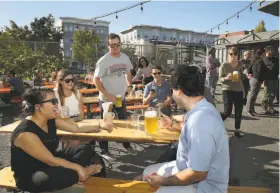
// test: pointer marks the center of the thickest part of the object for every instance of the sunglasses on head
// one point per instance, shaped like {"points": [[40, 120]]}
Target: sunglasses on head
{"points": [[68, 80], [115, 45], [231, 54], [54, 101], [155, 73]]}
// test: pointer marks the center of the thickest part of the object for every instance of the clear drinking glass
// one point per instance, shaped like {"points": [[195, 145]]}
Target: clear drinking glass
{"points": [[64, 112]]}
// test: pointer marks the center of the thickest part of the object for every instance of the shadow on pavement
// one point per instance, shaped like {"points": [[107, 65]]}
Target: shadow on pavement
{"points": [[247, 162]]}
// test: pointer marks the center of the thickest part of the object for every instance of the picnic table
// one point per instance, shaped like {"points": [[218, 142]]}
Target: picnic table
{"points": [[5, 90], [124, 132], [95, 100]]}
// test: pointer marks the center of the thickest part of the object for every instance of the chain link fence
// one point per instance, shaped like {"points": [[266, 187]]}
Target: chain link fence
{"points": [[167, 55]]}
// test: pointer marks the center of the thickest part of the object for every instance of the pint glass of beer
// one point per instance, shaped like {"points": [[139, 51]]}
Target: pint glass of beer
{"points": [[235, 76], [118, 101], [151, 121]]}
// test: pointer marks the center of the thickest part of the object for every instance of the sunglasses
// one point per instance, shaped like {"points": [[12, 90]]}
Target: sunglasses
{"points": [[68, 80], [231, 54], [115, 45], [156, 73], [54, 101]]}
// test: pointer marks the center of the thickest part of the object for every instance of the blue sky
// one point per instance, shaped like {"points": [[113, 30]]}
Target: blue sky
{"points": [[190, 15]]}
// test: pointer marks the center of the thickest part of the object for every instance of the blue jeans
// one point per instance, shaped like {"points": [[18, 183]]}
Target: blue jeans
{"points": [[121, 114], [211, 82]]}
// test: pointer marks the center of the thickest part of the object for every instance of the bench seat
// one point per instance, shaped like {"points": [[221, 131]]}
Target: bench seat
{"points": [[96, 109], [105, 185]]}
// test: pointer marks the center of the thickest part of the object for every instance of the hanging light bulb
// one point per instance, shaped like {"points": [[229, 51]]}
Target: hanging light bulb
{"points": [[238, 16], [218, 27], [117, 15], [227, 22], [251, 8], [211, 31], [141, 8], [77, 26], [94, 22]]}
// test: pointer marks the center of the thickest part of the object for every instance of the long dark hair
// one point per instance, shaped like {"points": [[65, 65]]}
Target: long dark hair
{"points": [[140, 64], [257, 55], [60, 77]]}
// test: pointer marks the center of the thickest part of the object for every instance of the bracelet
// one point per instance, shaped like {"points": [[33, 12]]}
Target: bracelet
{"points": [[130, 86]]}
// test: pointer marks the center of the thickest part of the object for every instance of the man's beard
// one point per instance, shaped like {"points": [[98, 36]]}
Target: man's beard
{"points": [[179, 103]]}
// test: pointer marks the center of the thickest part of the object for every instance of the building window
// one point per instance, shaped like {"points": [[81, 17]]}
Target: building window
{"points": [[101, 31], [171, 38], [164, 38], [146, 36], [97, 31], [65, 28], [138, 36]]}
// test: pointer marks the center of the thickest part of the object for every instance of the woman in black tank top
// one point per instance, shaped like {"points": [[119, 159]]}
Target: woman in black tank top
{"points": [[35, 161]]}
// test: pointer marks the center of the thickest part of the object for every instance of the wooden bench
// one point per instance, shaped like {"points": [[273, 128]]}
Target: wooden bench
{"points": [[105, 185], [95, 109], [16, 99]]}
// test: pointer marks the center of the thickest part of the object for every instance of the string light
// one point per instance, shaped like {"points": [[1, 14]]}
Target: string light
{"points": [[117, 16], [142, 7], [251, 9], [231, 17], [218, 27], [77, 26]]}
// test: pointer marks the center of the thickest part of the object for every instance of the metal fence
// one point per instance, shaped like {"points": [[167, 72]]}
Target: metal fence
{"points": [[167, 55]]}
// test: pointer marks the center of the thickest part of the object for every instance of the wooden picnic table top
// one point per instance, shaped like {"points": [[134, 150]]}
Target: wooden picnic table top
{"points": [[5, 90], [91, 90], [86, 82], [124, 132], [92, 100]]}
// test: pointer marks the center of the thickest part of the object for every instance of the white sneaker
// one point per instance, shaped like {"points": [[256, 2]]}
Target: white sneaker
{"points": [[130, 151]]}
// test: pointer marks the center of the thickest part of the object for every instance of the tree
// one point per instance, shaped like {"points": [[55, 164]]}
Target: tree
{"points": [[260, 27], [21, 51], [87, 48]]}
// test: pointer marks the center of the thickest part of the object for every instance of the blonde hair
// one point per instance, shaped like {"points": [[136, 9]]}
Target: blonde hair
{"points": [[60, 77], [233, 49]]}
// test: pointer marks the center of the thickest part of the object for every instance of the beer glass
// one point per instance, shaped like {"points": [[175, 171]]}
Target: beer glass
{"points": [[118, 101], [235, 76], [64, 112], [151, 121], [108, 118]]}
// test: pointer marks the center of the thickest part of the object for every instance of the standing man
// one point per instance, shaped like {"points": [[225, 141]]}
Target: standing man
{"points": [[270, 84], [212, 63], [112, 77], [202, 161], [158, 92], [246, 62]]}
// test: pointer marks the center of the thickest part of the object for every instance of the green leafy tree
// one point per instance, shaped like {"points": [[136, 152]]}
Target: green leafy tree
{"points": [[87, 48], [22, 49], [260, 27]]}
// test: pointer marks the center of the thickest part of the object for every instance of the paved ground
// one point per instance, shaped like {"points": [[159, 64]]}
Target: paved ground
{"points": [[254, 160]]}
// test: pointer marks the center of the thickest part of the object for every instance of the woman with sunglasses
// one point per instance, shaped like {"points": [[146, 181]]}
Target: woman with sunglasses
{"points": [[35, 161], [144, 71], [231, 77], [68, 95]]}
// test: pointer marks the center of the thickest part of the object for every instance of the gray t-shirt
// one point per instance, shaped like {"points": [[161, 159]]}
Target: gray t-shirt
{"points": [[112, 72], [203, 146], [162, 92]]}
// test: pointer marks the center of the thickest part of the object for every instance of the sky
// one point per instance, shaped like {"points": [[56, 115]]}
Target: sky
{"points": [[198, 16]]}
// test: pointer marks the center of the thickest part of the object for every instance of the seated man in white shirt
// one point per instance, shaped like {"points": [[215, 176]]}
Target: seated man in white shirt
{"points": [[202, 162]]}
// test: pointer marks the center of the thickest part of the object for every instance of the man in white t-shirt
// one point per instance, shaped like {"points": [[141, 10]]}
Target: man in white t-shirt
{"points": [[202, 161], [113, 77]]}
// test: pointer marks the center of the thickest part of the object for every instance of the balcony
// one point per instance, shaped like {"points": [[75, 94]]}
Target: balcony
{"points": [[271, 7]]}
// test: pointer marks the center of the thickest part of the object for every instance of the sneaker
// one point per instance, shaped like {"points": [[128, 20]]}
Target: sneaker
{"points": [[130, 151], [251, 114], [238, 135], [108, 156]]}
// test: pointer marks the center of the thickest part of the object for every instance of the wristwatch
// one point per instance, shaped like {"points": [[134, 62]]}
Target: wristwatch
{"points": [[130, 86]]}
